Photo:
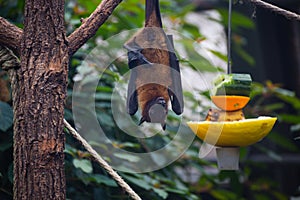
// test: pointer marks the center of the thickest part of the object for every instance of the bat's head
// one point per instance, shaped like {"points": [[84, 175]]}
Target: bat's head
{"points": [[155, 111]]}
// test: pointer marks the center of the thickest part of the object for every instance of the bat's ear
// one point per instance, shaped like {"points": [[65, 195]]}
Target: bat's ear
{"points": [[142, 120]]}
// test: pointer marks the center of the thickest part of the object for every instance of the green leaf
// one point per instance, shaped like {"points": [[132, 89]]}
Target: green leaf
{"points": [[139, 182], [176, 191], [105, 119], [70, 150], [261, 196], [284, 92], [283, 141], [192, 30], [238, 20], [126, 144], [244, 54], [6, 116], [128, 157], [274, 106], [98, 178], [243, 152], [223, 194], [83, 164], [104, 89], [219, 55], [163, 194], [294, 119], [98, 145], [289, 97], [194, 59], [279, 195], [269, 152], [256, 89]]}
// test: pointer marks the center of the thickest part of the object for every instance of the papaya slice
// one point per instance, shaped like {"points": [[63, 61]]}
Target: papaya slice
{"points": [[233, 133], [230, 102]]}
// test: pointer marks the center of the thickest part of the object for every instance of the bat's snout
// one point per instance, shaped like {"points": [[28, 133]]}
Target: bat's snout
{"points": [[157, 112]]}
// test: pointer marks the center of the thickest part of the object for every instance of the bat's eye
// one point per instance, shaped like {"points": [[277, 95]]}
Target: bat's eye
{"points": [[161, 101]]}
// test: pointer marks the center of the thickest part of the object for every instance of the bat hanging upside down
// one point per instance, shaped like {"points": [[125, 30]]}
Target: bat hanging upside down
{"points": [[155, 75]]}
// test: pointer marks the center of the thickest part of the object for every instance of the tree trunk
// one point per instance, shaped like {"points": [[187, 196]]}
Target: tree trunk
{"points": [[39, 94]]}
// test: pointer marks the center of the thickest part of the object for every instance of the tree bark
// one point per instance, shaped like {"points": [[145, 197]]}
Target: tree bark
{"points": [[40, 91], [10, 35]]}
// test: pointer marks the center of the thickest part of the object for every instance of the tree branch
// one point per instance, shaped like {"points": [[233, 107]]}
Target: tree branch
{"points": [[10, 35], [91, 24], [288, 14]]}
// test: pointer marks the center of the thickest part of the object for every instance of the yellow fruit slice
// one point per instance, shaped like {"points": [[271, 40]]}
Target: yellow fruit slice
{"points": [[233, 133], [230, 102]]}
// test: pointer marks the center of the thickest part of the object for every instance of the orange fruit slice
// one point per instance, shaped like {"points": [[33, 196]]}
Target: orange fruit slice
{"points": [[230, 102]]}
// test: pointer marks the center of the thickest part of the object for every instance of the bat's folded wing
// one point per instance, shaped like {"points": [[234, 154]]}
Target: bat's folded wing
{"points": [[132, 100], [175, 90]]}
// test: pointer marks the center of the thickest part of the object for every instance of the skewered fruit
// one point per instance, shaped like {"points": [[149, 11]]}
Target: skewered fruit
{"points": [[231, 91]]}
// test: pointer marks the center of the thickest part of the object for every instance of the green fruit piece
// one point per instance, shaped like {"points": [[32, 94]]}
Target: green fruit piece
{"points": [[242, 90], [233, 84]]}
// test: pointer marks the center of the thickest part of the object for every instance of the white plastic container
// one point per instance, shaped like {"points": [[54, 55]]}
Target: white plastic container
{"points": [[228, 158]]}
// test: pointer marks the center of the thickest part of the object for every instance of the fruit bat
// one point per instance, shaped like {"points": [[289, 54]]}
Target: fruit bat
{"points": [[155, 75]]}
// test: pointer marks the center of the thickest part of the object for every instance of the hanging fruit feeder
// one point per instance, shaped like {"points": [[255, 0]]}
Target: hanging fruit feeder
{"points": [[226, 127]]}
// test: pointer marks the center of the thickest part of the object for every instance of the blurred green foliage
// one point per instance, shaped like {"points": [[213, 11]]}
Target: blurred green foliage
{"points": [[189, 177]]}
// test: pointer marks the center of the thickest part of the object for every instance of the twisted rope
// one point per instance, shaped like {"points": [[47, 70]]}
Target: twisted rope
{"points": [[102, 162], [288, 14]]}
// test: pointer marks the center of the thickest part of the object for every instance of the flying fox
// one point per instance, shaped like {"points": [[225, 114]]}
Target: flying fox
{"points": [[155, 75]]}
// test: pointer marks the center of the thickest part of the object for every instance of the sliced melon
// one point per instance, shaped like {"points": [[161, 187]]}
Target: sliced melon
{"points": [[233, 133]]}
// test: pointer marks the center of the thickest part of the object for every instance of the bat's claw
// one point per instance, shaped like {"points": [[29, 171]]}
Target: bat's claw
{"points": [[136, 58]]}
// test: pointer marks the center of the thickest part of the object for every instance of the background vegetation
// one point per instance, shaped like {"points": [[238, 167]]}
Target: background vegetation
{"points": [[189, 177]]}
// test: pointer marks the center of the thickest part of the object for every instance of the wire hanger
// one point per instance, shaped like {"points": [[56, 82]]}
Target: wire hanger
{"points": [[229, 67]]}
